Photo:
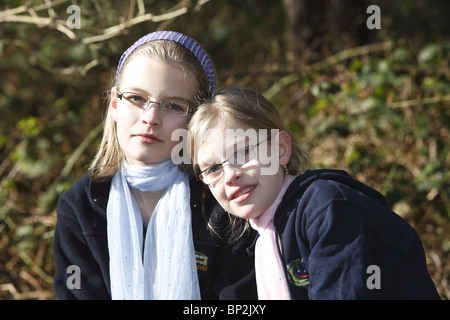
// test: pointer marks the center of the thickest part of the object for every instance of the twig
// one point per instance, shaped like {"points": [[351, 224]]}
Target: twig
{"points": [[350, 53], [279, 85], [39, 21], [66, 31], [37, 269], [415, 102], [17, 15], [11, 289], [115, 30], [26, 7], [141, 7], [79, 151]]}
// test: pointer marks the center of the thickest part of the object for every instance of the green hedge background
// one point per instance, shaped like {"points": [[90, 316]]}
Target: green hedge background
{"points": [[372, 102]]}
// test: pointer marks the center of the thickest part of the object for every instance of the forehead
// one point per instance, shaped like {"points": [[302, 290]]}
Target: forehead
{"points": [[222, 140], [157, 77]]}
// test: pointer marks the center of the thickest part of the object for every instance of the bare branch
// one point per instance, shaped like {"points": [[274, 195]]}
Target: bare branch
{"points": [[350, 53], [115, 30], [415, 102], [66, 31], [12, 12], [19, 15]]}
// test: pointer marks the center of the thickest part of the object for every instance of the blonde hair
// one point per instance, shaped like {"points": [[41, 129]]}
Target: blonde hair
{"points": [[236, 105], [109, 156], [245, 106]]}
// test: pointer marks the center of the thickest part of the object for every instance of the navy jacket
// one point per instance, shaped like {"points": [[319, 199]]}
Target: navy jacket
{"points": [[339, 240], [80, 239]]}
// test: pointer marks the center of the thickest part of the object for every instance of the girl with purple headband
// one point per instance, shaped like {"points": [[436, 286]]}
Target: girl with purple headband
{"points": [[135, 227]]}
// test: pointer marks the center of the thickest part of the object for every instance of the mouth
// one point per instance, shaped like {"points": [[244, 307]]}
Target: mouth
{"points": [[147, 138], [242, 193]]}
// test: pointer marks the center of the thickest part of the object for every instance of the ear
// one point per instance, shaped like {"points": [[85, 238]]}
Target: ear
{"points": [[285, 149], [113, 103]]}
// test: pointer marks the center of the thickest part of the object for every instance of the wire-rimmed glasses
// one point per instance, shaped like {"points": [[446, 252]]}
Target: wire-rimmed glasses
{"points": [[171, 107], [239, 158]]}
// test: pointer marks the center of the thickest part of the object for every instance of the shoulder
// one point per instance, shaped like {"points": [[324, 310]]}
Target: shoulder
{"points": [[328, 193], [316, 189], [330, 198], [75, 195], [325, 186], [80, 187], [85, 201]]}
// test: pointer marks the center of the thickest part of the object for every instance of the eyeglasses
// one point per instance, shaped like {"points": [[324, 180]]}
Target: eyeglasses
{"points": [[172, 107], [237, 159]]}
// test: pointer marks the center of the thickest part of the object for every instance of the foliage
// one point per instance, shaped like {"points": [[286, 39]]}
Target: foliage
{"points": [[376, 105]]}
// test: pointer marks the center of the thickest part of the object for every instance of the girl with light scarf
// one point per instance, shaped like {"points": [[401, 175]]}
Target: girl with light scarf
{"points": [[160, 265]]}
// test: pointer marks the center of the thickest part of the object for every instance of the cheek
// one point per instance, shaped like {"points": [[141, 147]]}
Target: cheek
{"points": [[170, 125], [219, 194], [124, 121], [174, 123], [127, 113]]}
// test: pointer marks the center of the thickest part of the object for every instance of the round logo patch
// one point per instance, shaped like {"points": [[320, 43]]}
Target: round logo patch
{"points": [[298, 275]]}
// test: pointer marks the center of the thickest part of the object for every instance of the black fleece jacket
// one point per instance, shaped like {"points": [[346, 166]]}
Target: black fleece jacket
{"points": [[80, 239]]}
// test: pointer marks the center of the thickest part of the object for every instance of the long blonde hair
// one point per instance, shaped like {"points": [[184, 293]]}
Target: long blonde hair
{"points": [[109, 156]]}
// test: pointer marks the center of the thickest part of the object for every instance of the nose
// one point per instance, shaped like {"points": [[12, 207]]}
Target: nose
{"points": [[231, 173], [151, 115]]}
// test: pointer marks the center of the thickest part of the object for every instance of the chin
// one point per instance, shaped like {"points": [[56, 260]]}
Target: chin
{"points": [[146, 161], [248, 214]]}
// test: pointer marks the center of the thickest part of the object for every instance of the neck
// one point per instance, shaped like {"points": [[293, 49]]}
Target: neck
{"points": [[263, 220], [147, 202]]}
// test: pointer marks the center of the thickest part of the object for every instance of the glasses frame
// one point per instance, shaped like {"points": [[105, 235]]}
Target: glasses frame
{"points": [[232, 164], [190, 109]]}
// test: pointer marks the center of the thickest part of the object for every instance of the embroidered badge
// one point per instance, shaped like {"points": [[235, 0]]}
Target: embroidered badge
{"points": [[202, 261], [298, 275]]}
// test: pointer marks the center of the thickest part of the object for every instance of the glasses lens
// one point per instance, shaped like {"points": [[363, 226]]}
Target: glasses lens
{"points": [[239, 158], [175, 107], [212, 174], [242, 156], [135, 100]]}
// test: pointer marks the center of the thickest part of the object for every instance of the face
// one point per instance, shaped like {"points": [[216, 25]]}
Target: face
{"points": [[145, 136], [244, 191]]}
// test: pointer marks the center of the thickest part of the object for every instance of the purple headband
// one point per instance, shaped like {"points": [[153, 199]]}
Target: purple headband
{"points": [[177, 37]]}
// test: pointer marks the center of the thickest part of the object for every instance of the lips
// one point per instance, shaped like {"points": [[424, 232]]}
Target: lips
{"points": [[147, 138], [242, 193]]}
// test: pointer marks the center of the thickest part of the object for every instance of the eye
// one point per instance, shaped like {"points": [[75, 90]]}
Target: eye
{"points": [[214, 169], [242, 156], [136, 99], [177, 107], [243, 152]]}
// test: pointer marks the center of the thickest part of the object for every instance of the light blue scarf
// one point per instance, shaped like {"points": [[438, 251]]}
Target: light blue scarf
{"points": [[167, 269]]}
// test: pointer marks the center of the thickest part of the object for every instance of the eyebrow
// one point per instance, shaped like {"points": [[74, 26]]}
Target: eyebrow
{"points": [[213, 163], [206, 164], [141, 91]]}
